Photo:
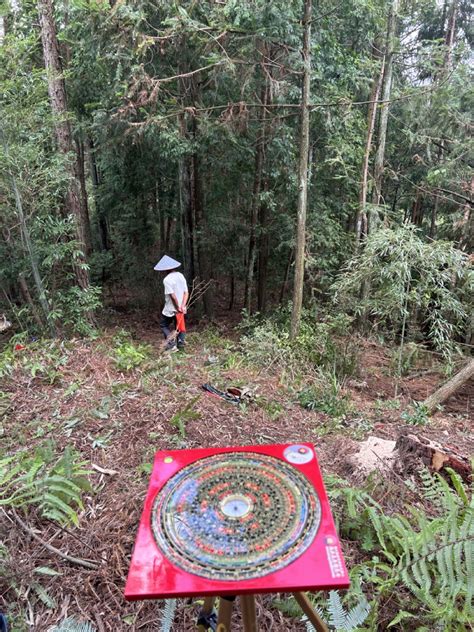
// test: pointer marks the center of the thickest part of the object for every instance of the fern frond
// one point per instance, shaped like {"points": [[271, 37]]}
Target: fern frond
{"points": [[168, 615], [344, 620], [55, 486], [337, 613], [358, 614], [73, 625]]}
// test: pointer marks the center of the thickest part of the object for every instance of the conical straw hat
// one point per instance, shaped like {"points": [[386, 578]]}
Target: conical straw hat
{"points": [[166, 263]]}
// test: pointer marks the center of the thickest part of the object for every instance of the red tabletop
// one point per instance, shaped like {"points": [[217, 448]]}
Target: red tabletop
{"points": [[237, 520]]}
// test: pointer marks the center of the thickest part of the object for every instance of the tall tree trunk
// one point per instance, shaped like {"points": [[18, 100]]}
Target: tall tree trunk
{"points": [[417, 210], [232, 293], [161, 213], [449, 37], [263, 252], [25, 232], [257, 186], [384, 108], [286, 278], [57, 96], [187, 216], [302, 175], [200, 223], [434, 213], [26, 294], [80, 153], [102, 219], [361, 219]]}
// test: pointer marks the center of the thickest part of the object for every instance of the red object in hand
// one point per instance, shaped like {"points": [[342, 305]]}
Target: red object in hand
{"points": [[19, 347], [180, 324]]}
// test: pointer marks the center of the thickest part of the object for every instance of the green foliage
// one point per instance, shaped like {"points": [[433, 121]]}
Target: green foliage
{"points": [[405, 360], [181, 418], [54, 485], [417, 416], [338, 617], [326, 397], [412, 283], [322, 345], [168, 615], [41, 360], [128, 355], [423, 560], [33, 177], [332, 610]]}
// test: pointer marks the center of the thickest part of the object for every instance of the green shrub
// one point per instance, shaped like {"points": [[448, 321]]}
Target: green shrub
{"points": [[321, 345], [409, 284], [128, 355], [326, 398]]}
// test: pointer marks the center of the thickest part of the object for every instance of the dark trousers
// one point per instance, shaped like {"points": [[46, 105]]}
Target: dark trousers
{"points": [[168, 324]]}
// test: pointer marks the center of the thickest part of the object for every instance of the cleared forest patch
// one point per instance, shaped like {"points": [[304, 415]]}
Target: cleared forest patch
{"points": [[116, 400]]}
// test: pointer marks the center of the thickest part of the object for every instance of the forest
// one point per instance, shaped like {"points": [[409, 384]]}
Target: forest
{"points": [[310, 166]]}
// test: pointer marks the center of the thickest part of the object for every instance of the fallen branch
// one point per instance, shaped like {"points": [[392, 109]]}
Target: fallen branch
{"points": [[451, 386], [74, 560]]}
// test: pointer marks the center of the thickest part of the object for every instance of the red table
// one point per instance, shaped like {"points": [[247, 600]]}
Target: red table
{"points": [[236, 521]]}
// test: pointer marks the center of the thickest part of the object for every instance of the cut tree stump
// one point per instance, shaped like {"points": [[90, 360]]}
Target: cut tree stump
{"points": [[413, 450], [451, 386]]}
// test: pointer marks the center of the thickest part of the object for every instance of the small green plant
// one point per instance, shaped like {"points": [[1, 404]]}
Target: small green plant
{"points": [[100, 442], [7, 362], [404, 360], [54, 485], [331, 609], [417, 415], [181, 418], [272, 408], [145, 468], [338, 616], [128, 356], [388, 404], [168, 615], [326, 398], [4, 403], [71, 425]]}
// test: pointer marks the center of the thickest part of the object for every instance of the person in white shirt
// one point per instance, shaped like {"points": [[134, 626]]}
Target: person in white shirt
{"points": [[176, 298]]}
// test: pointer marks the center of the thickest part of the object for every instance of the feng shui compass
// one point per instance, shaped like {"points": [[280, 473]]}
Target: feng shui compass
{"points": [[236, 521]]}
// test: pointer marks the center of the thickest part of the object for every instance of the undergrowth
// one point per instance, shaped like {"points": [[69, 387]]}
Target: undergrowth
{"points": [[128, 355], [320, 345], [420, 565]]}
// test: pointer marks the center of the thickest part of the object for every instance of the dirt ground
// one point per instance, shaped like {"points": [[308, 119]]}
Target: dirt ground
{"points": [[117, 420]]}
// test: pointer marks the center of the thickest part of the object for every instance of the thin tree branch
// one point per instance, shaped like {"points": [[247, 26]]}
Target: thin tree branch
{"points": [[74, 560]]}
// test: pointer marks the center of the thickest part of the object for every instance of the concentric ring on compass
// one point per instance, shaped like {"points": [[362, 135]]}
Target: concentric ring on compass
{"points": [[235, 516]]}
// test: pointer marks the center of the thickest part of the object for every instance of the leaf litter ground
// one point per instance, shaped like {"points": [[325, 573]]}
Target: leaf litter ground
{"points": [[117, 420]]}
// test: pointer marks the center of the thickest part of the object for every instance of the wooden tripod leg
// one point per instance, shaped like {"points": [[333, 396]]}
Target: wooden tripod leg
{"points": [[208, 604], [225, 614], [249, 618], [307, 607]]}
